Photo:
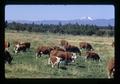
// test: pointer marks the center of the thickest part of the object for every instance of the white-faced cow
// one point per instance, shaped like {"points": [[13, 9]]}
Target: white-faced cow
{"points": [[57, 56], [22, 47]]}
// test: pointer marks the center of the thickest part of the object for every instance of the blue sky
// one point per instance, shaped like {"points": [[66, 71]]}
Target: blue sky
{"points": [[58, 12]]}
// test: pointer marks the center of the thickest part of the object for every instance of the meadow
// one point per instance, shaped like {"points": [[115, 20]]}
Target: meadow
{"points": [[25, 65]]}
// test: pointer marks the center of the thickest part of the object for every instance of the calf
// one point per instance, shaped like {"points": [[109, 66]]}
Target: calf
{"points": [[57, 56], [7, 58], [110, 67], [85, 45], [92, 55]]}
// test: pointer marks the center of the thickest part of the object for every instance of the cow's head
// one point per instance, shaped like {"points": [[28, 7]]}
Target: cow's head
{"points": [[17, 48]]}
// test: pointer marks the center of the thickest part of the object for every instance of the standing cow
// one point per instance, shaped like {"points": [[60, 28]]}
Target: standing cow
{"points": [[43, 50], [57, 56], [22, 47]]}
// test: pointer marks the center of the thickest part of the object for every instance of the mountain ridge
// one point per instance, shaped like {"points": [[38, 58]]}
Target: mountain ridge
{"points": [[90, 21]]}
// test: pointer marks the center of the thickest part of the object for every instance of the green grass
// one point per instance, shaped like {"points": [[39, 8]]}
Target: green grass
{"points": [[24, 64]]}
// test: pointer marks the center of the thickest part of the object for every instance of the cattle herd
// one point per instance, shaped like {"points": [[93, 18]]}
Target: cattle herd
{"points": [[64, 52]]}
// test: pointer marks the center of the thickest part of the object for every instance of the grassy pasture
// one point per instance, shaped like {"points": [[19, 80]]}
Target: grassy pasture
{"points": [[24, 64]]}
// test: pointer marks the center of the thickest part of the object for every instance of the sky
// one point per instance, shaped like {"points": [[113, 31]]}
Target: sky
{"points": [[58, 12]]}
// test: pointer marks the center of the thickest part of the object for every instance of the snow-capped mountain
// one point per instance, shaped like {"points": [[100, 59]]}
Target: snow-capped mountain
{"points": [[82, 20], [86, 18]]}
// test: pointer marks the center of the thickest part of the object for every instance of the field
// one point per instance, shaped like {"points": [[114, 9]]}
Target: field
{"points": [[25, 65]]}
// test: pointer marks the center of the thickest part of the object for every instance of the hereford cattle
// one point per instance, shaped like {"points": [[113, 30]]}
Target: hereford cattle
{"points": [[71, 48], [63, 42], [92, 55], [110, 67], [7, 45], [57, 56], [7, 57], [85, 45], [22, 47], [43, 50]]}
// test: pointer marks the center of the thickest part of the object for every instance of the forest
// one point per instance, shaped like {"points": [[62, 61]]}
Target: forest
{"points": [[73, 29]]}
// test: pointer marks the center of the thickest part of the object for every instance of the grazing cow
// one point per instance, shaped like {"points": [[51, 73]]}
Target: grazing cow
{"points": [[7, 58], [7, 45], [27, 44], [22, 47], [43, 50], [63, 42], [110, 67], [92, 55], [57, 56], [71, 48], [85, 45]]}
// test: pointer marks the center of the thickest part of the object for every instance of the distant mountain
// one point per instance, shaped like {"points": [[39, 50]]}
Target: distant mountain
{"points": [[83, 20]]}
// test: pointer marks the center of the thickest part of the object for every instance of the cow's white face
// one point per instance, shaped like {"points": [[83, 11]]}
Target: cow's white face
{"points": [[17, 47], [74, 56]]}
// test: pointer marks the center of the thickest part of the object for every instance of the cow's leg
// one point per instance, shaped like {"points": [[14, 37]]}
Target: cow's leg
{"points": [[41, 53], [36, 55], [58, 64], [48, 60], [109, 75], [52, 65]]}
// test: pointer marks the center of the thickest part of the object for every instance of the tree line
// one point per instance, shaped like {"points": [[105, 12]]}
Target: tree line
{"points": [[74, 29]]}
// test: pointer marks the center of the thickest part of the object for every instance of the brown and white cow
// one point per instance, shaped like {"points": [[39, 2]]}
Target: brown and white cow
{"points": [[57, 56], [7, 45], [110, 67], [92, 55], [43, 50], [22, 47], [85, 45]]}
